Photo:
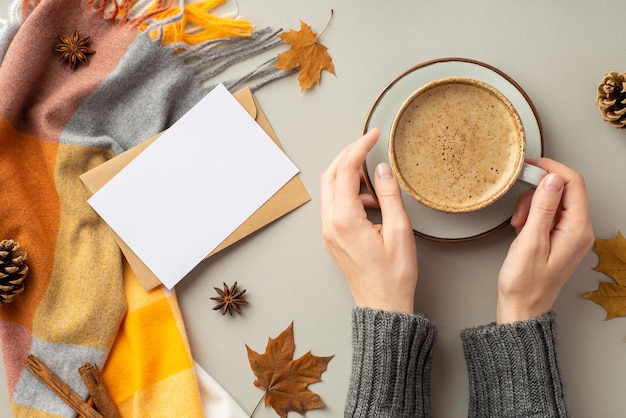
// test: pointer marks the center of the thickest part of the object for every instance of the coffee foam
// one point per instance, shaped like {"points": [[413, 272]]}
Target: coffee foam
{"points": [[457, 146]]}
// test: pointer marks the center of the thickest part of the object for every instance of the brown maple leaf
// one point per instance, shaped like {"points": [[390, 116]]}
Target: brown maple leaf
{"points": [[306, 53], [611, 297], [612, 262], [285, 380], [612, 258]]}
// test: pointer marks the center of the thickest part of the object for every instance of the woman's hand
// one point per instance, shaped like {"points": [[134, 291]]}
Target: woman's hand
{"points": [[379, 262], [554, 234]]}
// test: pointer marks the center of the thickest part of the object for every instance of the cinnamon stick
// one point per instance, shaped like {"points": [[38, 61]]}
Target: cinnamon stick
{"points": [[60, 387], [90, 373]]}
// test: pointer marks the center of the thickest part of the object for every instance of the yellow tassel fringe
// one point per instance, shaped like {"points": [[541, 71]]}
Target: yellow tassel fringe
{"points": [[196, 24]]}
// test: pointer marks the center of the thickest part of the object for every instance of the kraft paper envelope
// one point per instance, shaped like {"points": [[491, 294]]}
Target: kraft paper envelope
{"points": [[288, 198]]}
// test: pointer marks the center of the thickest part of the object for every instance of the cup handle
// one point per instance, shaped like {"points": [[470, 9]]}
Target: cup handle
{"points": [[531, 175]]}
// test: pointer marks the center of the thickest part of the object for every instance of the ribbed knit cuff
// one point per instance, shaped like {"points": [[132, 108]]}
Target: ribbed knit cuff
{"points": [[513, 370], [392, 357]]}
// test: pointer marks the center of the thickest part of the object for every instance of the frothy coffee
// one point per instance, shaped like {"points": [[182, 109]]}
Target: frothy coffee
{"points": [[458, 145]]}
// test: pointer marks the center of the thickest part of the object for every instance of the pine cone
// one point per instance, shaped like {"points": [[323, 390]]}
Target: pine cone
{"points": [[611, 99], [13, 270]]}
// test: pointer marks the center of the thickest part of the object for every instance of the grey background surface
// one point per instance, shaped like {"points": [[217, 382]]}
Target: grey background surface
{"points": [[558, 52]]}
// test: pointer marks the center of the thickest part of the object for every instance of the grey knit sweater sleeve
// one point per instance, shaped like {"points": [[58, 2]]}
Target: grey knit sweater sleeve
{"points": [[513, 370], [392, 357]]}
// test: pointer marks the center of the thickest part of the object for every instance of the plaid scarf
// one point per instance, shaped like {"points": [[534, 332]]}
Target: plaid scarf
{"points": [[82, 303]]}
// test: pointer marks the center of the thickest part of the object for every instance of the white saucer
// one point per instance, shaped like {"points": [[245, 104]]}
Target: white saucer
{"points": [[429, 223]]}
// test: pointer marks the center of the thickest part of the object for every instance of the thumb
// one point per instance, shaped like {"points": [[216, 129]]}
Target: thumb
{"points": [[389, 196], [545, 203]]}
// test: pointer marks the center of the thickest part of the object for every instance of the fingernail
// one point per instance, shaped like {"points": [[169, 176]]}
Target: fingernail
{"points": [[553, 183], [384, 171]]}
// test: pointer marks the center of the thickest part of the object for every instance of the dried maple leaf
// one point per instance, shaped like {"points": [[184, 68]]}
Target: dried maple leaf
{"points": [[285, 380], [612, 262], [612, 258], [307, 53], [611, 297]]}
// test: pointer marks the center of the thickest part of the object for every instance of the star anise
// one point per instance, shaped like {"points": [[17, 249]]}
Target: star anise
{"points": [[74, 49], [229, 299]]}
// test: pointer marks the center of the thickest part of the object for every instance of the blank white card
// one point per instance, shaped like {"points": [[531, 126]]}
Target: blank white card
{"points": [[196, 184]]}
